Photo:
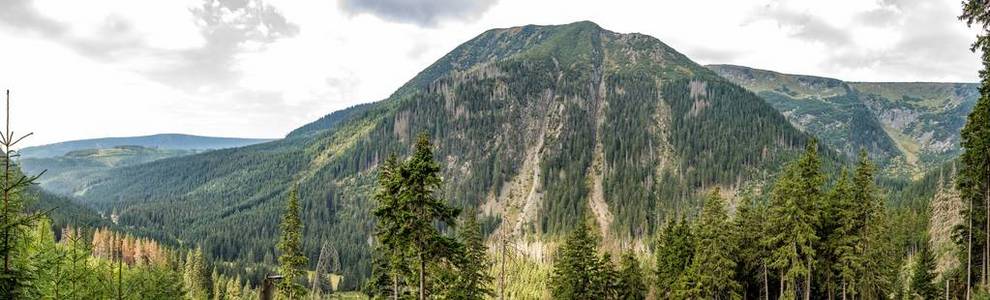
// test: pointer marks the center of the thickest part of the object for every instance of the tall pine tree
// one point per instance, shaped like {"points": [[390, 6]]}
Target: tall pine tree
{"points": [[713, 266], [794, 214], [473, 280], [923, 275], [631, 285], [879, 266], [390, 259], [973, 180], [675, 249], [578, 272], [421, 209], [291, 261]]}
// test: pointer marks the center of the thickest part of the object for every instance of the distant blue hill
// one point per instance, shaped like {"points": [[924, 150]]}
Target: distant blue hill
{"points": [[160, 141]]}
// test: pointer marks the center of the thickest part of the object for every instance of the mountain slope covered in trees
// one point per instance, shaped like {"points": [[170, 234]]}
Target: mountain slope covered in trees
{"points": [[161, 141], [910, 127], [73, 171], [536, 126]]}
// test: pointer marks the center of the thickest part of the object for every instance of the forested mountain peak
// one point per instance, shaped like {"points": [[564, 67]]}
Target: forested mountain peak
{"points": [[537, 126]]}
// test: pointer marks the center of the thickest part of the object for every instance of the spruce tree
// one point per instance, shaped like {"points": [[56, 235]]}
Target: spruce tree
{"points": [[843, 242], [631, 285], [794, 214], [879, 266], [16, 277], [713, 266], [604, 278], [421, 209], [194, 276], [577, 268], [390, 261], [923, 275], [292, 262], [752, 254], [473, 280], [973, 180], [675, 249]]}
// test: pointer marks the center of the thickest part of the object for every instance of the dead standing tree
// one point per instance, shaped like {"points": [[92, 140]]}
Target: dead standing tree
{"points": [[329, 263]]}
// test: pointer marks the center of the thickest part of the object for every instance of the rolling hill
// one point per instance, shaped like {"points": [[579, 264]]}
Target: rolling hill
{"points": [[162, 141], [70, 173]]}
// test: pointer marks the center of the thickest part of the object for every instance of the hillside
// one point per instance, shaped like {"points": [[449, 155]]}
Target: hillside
{"points": [[162, 141], [536, 125], [910, 127], [70, 173]]}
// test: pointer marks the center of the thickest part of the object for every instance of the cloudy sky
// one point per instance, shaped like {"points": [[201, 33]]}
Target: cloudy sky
{"points": [[252, 68]]}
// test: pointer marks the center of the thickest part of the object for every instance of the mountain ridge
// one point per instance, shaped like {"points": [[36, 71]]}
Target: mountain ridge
{"points": [[162, 140], [539, 126], [910, 127]]}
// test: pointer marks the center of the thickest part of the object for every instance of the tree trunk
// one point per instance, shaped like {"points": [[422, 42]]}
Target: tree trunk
{"points": [[766, 282], [969, 254], [843, 289], [422, 276], [781, 295], [395, 286], [828, 284], [986, 242], [807, 283]]}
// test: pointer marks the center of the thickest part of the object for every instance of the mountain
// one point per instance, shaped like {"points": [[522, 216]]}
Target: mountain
{"points": [[163, 141], [538, 126], [70, 173], [910, 127]]}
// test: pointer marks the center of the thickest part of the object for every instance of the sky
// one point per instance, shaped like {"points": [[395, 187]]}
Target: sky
{"points": [[252, 68]]}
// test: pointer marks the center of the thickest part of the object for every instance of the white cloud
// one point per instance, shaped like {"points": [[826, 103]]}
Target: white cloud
{"points": [[80, 69]]}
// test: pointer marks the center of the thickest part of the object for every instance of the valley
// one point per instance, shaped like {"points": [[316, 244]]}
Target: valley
{"points": [[534, 162]]}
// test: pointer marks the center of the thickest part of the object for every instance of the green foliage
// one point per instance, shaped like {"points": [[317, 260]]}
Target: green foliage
{"points": [[675, 251], [793, 219], [923, 276], [631, 283], [291, 261], [578, 271], [973, 179], [712, 271], [473, 280], [195, 279], [749, 226]]}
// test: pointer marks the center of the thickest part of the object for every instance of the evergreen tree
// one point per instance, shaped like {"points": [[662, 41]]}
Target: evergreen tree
{"points": [[631, 285], [16, 277], [752, 272], [712, 269], [390, 261], [794, 214], [577, 269], [604, 278], [421, 209], [843, 243], [973, 180], [923, 276], [878, 264], [194, 275], [292, 262], [675, 249], [473, 280]]}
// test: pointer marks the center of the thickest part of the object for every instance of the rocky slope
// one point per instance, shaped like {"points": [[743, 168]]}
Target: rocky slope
{"points": [[539, 126], [911, 127]]}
